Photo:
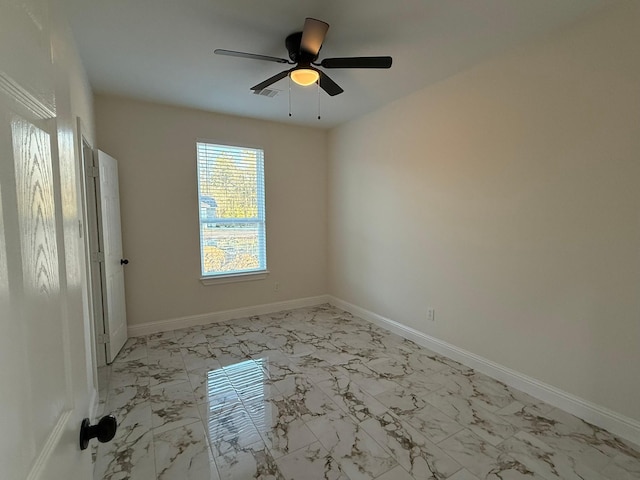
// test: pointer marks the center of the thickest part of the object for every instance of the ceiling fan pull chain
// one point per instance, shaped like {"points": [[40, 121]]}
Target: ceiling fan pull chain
{"points": [[289, 95], [318, 83]]}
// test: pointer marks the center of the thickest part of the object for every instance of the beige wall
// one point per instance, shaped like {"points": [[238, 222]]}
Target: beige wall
{"points": [[155, 149], [508, 199]]}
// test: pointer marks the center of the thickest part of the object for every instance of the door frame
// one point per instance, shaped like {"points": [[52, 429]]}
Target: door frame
{"points": [[90, 233]]}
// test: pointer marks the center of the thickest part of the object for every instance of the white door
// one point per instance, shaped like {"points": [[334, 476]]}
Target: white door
{"points": [[115, 314], [45, 367], [92, 244]]}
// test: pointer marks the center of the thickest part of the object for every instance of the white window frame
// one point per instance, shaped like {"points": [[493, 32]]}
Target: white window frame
{"points": [[242, 276]]}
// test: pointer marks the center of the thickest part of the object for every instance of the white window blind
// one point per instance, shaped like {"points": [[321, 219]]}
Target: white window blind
{"points": [[231, 206]]}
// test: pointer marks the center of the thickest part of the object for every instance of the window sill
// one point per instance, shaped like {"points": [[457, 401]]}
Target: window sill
{"points": [[234, 277]]}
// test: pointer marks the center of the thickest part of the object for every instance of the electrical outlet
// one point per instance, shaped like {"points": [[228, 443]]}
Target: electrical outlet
{"points": [[431, 315], [276, 286]]}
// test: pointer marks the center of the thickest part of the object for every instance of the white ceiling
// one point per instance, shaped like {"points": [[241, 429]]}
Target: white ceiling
{"points": [[162, 50]]}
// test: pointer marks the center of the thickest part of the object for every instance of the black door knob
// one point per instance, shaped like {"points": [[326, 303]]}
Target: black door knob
{"points": [[104, 431], [124, 261]]}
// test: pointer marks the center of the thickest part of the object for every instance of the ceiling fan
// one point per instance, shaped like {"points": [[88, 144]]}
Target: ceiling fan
{"points": [[303, 48]]}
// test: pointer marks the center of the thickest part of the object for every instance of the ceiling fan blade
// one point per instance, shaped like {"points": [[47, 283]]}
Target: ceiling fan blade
{"points": [[270, 81], [357, 62], [253, 56], [313, 35], [328, 85]]}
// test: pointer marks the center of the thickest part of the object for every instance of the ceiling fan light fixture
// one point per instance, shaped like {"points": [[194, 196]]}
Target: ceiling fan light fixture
{"points": [[304, 76]]}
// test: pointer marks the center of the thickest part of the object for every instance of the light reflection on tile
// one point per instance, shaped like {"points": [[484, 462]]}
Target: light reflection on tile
{"points": [[212, 387], [229, 428], [318, 393]]}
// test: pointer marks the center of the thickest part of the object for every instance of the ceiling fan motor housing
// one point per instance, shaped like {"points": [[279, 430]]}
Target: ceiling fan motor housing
{"points": [[296, 54]]}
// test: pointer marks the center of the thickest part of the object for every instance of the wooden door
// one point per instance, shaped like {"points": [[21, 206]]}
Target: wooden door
{"points": [[45, 366]]}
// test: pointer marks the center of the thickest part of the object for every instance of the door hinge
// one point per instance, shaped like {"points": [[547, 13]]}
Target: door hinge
{"points": [[103, 338], [93, 172], [97, 257]]}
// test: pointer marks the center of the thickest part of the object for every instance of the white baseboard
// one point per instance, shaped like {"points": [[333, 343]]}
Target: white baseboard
{"points": [[603, 417], [207, 318]]}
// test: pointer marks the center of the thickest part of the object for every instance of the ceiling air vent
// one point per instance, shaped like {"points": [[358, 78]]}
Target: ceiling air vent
{"points": [[266, 92]]}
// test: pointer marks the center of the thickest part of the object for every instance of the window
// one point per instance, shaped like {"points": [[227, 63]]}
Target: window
{"points": [[231, 208]]}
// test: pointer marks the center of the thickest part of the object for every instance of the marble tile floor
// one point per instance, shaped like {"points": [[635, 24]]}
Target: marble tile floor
{"points": [[316, 393]]}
